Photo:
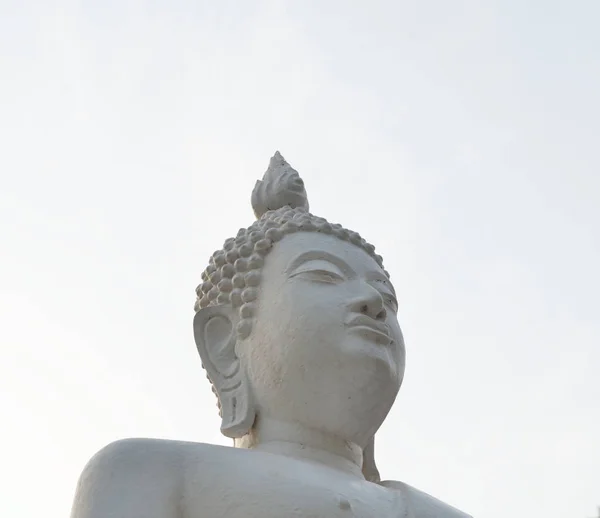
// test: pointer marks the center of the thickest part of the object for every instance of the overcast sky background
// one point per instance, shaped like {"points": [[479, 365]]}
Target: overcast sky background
{"points": [[461, 138]]}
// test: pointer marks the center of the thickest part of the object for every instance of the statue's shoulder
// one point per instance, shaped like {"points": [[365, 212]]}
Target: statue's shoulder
{"points": [[423, 505], [132, 473], [131, 455]]}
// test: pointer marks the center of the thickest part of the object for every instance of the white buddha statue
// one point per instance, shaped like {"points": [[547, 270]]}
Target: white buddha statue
{"points": [[296, 326]]}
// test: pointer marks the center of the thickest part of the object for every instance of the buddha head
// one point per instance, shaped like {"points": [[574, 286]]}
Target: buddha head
{"points": [[296, 321]]}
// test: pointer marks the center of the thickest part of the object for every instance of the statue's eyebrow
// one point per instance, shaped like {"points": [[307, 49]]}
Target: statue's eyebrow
{"points": [[320, 255]]}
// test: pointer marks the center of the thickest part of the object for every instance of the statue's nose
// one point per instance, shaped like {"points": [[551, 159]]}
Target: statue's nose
{"points": [[370, 303]]}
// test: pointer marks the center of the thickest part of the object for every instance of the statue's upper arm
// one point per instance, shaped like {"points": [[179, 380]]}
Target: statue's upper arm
{"points": [[126, 479]]}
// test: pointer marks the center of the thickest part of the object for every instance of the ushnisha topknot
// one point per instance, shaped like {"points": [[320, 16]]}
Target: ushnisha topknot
{"points": [[281, 186], [281, 206]]}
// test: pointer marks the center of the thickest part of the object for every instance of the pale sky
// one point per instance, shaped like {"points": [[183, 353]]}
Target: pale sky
{"points": [[461, 138]]}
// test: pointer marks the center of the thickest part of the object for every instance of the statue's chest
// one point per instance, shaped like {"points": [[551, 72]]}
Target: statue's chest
{"points": [[270, 493]]}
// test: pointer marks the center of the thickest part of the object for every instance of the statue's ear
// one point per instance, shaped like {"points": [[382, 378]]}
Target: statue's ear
{"points": [[216, 336]]}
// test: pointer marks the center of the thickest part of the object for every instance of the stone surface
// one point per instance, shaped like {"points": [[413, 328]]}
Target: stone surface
{"points": [[297, 329]]}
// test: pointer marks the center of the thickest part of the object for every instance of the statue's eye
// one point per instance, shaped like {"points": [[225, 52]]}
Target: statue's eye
{"points": [[319, 275]]}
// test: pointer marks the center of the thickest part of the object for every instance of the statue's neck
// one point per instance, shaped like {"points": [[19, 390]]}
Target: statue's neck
{"points": [[300, 442]]}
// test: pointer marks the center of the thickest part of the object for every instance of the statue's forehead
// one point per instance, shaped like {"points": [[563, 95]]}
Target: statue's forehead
{"points": [[303, 246]]}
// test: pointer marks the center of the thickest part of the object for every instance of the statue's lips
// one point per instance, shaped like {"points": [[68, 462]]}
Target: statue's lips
{"points": [[371, 329]]}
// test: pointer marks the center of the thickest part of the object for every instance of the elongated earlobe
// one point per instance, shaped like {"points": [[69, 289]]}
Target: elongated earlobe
{"points": [[215, 336]]}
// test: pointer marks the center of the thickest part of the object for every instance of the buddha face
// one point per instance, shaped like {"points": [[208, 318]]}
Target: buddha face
{"points": [[326, 348]]}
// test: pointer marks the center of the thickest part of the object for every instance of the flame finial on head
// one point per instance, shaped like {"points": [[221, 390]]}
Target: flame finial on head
{"points": [[281, 186]]}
